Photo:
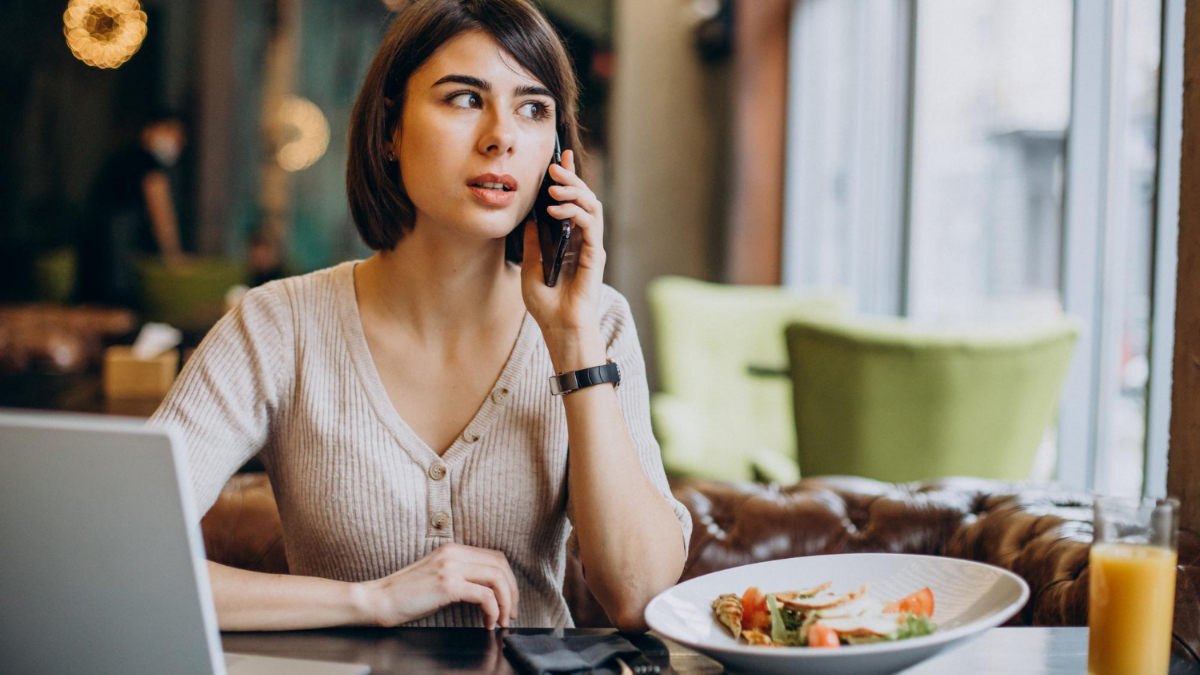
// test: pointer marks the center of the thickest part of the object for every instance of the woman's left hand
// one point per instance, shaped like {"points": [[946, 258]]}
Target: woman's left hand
{"points": [[568, 311]]}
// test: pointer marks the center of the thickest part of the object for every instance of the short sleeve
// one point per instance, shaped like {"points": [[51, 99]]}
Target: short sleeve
{"points": [[229, 393], [633, 397]]}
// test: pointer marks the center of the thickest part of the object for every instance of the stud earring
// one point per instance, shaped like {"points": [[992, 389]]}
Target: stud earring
{"points": [[391, 156]]}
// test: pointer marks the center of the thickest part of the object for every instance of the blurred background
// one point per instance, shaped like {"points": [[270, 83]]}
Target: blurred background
{"points": [[893, 238]]}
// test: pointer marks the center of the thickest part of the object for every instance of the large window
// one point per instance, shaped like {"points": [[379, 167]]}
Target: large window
{"points": [[991, 103], [995, 160]]}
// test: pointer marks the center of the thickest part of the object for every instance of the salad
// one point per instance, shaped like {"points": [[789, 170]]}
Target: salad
{"points": [[818, 617]]}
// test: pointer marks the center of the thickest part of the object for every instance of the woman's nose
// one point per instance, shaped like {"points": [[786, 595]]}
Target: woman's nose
{"points": [[498, 135]]}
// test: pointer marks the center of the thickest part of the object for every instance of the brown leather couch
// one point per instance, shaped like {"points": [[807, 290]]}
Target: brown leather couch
{"points": [[1041, 533]]}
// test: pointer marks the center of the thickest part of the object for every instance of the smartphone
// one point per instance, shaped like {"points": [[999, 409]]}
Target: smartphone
{"points": [[559, 249], [553, 236]]}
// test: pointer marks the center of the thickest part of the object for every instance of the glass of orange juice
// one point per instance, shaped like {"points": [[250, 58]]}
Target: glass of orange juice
{"points": [[1131, 589]]}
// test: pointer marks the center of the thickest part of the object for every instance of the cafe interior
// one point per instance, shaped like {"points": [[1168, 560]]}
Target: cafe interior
{"points": [[911, 279]]}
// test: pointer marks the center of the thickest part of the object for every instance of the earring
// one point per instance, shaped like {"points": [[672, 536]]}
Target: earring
{"points": [[391, 156]]}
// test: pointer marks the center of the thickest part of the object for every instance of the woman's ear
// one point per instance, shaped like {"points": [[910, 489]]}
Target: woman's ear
{"points": [[393, 144]]}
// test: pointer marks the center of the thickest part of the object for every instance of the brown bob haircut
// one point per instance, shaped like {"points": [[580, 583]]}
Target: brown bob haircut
{"points": [[381, 208]]}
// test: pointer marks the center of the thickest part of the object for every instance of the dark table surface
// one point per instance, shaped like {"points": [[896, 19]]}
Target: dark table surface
{"points": [[1028, 651]]}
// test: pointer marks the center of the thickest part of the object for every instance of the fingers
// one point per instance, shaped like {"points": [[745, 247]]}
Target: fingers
{"points": [[502, 589], [581, 196], [593, 235], [486, 567], [498, 561], [465, 591], [579, 203], [506, 569], [564, 175]]}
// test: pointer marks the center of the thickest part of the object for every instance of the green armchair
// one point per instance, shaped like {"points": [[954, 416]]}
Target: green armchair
{"points": [[894, 401], [715, 417], [191, 297]]}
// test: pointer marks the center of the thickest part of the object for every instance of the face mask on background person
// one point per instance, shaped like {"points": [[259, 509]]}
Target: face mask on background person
{"points": [[165, 150]]}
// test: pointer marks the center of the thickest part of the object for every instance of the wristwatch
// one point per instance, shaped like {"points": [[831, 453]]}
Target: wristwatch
{"points": [[565, 383]]}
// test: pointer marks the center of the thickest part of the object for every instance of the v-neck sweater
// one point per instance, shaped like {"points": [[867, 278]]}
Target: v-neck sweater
{"points": [[288, 375]]}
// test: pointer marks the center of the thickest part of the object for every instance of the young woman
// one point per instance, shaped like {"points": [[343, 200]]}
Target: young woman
{"points": [[402, 404]]}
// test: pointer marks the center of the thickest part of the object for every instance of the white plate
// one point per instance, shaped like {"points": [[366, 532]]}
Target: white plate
{"points": [[969, 597]]}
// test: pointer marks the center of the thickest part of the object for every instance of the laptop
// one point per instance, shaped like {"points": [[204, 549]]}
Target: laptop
{"points": [[102, 566]]}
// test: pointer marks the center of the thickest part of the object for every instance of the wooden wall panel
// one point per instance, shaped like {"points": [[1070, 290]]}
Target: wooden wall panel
{"points": [[1183, 472], [754, 240]]}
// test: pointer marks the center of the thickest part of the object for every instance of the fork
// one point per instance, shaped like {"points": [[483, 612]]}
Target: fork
{"points": [[641, 669]]}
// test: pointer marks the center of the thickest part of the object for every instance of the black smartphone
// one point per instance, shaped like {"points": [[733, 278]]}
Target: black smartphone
{"points": [[554, 235], [559, 249]]}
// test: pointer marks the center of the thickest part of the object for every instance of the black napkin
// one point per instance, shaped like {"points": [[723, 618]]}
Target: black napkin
{"points": [[549, 655]]}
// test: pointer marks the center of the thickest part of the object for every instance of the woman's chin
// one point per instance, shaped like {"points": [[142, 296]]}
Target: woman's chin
{"points": [[494, 223]]}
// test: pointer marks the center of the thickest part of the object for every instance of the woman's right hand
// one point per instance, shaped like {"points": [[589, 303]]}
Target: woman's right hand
{"points": [[453, 573]]}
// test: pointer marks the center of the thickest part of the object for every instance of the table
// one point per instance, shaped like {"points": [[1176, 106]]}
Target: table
{"points": [[1028, 651], [81, 392]]}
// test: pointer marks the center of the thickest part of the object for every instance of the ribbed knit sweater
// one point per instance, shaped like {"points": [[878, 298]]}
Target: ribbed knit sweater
{"points": [[287, 374]]}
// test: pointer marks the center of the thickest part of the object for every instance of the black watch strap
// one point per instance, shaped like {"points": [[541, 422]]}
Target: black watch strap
{"points": [[565, 383]]}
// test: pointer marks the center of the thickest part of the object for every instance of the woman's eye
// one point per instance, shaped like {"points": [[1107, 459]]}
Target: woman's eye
{"points": [[466, 100], [534, 110]]}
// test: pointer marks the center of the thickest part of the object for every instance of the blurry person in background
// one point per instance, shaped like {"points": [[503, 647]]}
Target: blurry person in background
{"points": [[131, 213]]}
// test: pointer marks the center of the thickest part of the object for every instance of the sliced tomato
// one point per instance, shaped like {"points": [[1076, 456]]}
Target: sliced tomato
{"points": [[820, 635], [919, 603], [754, 609]]}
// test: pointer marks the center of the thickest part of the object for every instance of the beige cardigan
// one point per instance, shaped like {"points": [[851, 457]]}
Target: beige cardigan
{"points": [[288, 373]]}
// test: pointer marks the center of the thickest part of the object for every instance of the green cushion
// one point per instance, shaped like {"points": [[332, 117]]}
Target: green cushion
{"points": [[54, 275], [714, 418], [191, 297], [894, 401]]}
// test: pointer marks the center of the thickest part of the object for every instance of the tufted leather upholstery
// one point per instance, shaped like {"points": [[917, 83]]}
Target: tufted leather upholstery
{"points": [[1041, 533]]}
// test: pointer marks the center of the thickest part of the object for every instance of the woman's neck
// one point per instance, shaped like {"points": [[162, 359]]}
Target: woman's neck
{"points": [[442, 292]]}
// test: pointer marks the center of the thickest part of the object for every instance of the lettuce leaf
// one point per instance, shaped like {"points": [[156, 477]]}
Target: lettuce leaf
{"points": [[785, 624], [915, 626]]}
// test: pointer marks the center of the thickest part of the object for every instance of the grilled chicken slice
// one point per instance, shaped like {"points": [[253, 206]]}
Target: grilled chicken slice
{"points": [[865, 626], [759, 639], [860, 606], [822, 600], [797, 595], [728, 608]]}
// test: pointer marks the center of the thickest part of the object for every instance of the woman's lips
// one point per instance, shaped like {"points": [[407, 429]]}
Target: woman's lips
{"points": [[493, 197]]}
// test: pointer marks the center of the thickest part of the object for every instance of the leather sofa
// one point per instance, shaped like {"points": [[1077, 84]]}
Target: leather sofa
{"points": [[1041, 533]]}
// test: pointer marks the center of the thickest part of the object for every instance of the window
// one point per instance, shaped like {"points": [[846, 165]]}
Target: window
{"points": [[991, 103], [992, 160]]}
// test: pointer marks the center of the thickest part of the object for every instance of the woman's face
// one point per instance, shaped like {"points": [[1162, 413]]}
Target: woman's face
{"points": [[471, 116]]}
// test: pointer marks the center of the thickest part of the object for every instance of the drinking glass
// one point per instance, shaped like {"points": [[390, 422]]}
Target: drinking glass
{"points": [[1131, 591]]}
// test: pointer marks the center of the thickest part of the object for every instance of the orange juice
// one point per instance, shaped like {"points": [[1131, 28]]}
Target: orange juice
{"points": [[1131, 606]]}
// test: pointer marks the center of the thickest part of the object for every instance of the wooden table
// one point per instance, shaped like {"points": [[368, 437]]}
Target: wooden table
{"points": [[1027, 651], [68, 392]]}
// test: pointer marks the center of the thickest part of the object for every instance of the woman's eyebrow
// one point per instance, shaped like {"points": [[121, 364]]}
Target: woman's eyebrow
{"points": [[469, 80]]}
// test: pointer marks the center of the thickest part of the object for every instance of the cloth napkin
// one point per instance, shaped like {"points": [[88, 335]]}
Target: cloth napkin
{"points": [[549, 655]]}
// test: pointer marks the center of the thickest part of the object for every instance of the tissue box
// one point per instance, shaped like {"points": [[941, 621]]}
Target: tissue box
{"points": [[129, 377]]}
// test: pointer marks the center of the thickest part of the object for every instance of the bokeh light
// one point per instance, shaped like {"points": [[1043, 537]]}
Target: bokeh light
{"points": [[104, 33], [303, 134]]}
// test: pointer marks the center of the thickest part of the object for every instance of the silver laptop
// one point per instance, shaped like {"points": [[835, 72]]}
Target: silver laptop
{"points": [[102, 566]]}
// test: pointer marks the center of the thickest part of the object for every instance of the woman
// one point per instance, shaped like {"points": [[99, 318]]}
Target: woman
{"points": [[402, 405]]}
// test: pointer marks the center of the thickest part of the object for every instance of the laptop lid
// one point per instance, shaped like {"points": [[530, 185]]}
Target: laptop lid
{"points": [[101, 558]]}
